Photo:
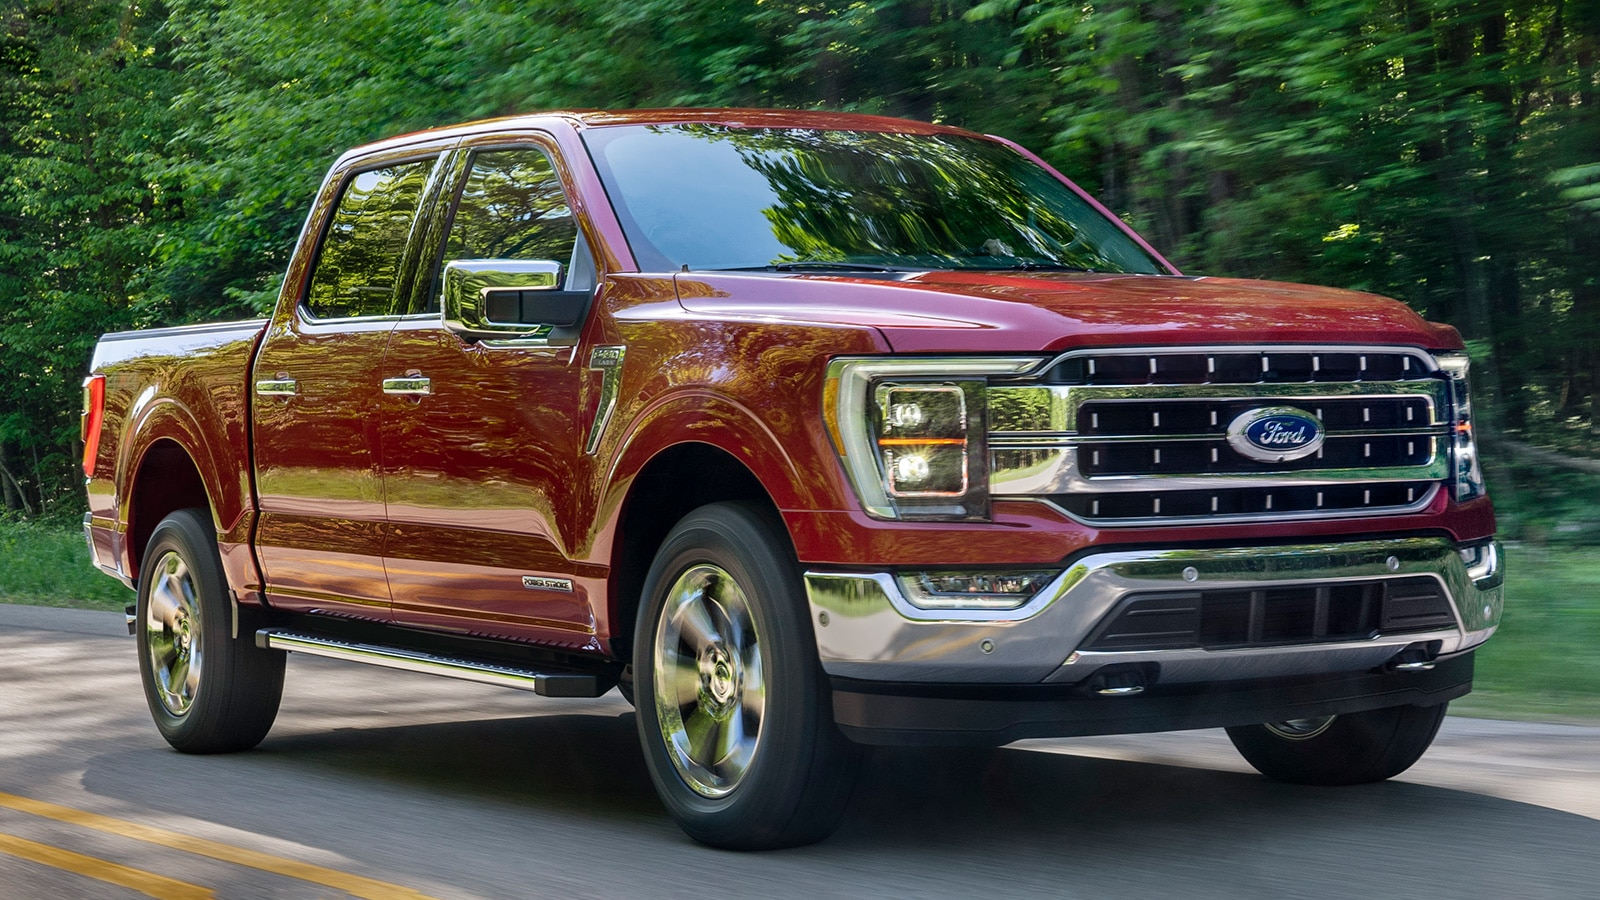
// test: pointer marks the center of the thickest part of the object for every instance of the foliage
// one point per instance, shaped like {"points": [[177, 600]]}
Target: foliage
{"points": [[1544, 662], [45, 565], [157, 158]]}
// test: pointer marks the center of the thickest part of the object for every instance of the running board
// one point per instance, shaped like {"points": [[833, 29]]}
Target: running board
{"points": [[546, 684]]}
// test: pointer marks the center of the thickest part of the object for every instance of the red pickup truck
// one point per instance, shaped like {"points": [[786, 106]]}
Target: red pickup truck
{"points": [[805, 432]]}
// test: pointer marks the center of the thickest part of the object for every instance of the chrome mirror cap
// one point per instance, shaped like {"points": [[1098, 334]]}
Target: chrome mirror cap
{"points": [[508, 297]]}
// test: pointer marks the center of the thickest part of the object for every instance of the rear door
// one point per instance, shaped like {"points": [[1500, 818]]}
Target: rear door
{"points": [[318, 394], [484, 462]]}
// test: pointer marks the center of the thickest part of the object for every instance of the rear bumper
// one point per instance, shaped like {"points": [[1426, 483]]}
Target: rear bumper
{"points": [[100, 553], [991, 715]]}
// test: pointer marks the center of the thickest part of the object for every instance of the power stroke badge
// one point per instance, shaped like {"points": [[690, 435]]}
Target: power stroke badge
{"points": [[1275, 434]]}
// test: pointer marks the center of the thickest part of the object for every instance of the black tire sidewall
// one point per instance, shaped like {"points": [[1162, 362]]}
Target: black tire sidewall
{"points": [[237, 696], [797, 729], [1356, 748]]}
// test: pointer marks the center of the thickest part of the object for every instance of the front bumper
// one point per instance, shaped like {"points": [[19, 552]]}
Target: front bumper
{"points": [[983, 715], [866, 629]]}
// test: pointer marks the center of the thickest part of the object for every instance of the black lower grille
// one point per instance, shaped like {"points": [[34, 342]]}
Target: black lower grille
{"points": [[1224, 619]]}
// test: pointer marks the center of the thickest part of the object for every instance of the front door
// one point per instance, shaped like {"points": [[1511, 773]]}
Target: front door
{"points": [[479, 448]]}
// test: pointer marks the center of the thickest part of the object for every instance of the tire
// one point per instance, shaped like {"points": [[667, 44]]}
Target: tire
{"points": [[741, 744], [1357, 748], [208, 691]]}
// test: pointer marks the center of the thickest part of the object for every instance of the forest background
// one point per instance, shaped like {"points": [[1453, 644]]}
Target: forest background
{"points": [[157, 158]]}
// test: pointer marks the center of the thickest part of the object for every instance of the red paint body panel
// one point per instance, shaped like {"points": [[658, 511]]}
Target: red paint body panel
{"points": [[429, 510], [1004, 312], [184, 387], [318, 481]]}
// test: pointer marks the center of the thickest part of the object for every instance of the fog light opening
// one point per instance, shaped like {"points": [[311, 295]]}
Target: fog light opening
{"points": [[974, 590]]}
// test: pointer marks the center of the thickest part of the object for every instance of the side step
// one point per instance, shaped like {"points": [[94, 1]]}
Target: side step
{"points": [[546, 684]]}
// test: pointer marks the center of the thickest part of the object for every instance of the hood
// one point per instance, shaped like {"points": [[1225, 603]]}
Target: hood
{"points": [[1011, 312]]}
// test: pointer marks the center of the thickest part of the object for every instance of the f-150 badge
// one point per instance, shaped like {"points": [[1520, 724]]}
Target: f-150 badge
{"points": [[1275, 434]]}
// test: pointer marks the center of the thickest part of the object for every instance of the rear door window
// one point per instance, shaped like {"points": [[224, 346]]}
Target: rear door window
{"points": [[365, 242]]}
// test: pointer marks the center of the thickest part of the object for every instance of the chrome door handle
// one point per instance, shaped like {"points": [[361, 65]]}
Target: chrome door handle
{"points": [[409, 385], [277, 387]]}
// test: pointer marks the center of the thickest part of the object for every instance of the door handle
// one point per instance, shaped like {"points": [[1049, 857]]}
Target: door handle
{"points": [[408, 385], [277, 387]]}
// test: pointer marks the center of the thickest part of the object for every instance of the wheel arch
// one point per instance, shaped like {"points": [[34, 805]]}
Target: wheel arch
{"points": [[165, 479], [674, 482]]}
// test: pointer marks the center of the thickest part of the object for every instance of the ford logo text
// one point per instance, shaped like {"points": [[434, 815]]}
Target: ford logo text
{"points": [[1275, 434]]}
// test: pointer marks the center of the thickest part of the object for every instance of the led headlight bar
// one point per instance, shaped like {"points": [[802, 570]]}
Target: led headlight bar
{"points": [[1469, 474], [912, 432]]}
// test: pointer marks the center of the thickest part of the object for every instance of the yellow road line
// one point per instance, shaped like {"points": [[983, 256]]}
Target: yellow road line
{"points": [[147, 883], [355, 885]]}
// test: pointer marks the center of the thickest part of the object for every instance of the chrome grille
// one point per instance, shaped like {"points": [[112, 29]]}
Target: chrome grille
{"points": [[1142, 437], [1271, 365]]}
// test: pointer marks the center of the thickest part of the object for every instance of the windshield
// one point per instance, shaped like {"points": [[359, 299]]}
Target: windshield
{"points": [[714, 197]]}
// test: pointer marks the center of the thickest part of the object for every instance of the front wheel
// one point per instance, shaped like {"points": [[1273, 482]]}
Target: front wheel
{"points": [[208, 691], [734, 712], [1355, 748]]}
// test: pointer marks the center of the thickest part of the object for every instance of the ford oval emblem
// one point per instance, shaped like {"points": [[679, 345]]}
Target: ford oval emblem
{"points": [[1275, 434]]}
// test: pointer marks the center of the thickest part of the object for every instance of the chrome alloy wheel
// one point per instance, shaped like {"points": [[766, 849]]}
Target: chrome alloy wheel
{"points": [[172, 633], [1300, 729], [710, 680]]}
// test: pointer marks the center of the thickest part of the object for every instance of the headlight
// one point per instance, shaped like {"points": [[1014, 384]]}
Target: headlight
{"points": [[1469, 475], [913, 433]]}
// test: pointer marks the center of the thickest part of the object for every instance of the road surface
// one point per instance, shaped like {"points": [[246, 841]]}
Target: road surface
{"points": [[386, 784]]}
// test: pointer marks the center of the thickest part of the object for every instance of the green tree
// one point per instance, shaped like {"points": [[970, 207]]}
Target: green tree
{"points": [[84, 90]]}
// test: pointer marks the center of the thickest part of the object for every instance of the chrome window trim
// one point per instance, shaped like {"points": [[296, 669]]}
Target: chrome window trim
{"points": [[306, 318]]}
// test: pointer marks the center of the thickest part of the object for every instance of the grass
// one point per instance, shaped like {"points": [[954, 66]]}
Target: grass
{"points": [[48, 565], [1543, 664]]}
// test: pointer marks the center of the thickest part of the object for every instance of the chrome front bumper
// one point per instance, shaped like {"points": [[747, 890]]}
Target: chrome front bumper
{"points": [[866, 629]]}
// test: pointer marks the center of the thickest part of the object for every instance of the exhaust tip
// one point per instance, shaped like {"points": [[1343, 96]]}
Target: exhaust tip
{"points": [[1125, 680], [1418, 657]]}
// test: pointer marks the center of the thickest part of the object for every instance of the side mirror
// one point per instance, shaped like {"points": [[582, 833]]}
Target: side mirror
{"points": [[509, 298]]}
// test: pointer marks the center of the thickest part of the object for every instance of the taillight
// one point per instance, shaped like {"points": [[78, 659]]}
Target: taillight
{"points": [[94, 411]]}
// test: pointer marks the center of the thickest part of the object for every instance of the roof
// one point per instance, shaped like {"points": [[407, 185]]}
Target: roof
{"points": [[580, 119]]}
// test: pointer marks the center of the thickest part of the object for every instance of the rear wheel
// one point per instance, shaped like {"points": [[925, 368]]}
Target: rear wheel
{"points": [[208, 691], [1355, 748], [734, 712]]}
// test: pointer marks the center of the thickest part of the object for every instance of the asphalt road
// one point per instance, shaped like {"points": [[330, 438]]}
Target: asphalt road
{"points": [[385, 784]]}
